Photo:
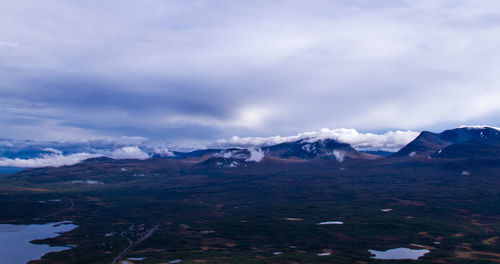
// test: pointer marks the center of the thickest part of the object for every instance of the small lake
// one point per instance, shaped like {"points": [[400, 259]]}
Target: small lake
{"points": [[15, 246], [330, 223], [399, 253]]}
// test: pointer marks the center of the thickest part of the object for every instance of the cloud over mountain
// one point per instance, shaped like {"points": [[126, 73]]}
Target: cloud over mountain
{"points": [[389, 141], [57, 158], [53, 153], [53, 160]]}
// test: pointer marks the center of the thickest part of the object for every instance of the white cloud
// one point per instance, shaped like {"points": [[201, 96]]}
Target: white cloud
{"points": [[52, 160], [163, 151], [55, 151], [129, 152], [256, 154], [247, 117], [6, 143], [389, 141], [339, 155], [232, 154], [57, 159]]}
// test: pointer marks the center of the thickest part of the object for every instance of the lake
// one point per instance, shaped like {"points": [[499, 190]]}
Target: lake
{"points": [[399, 253], [15, 246]]}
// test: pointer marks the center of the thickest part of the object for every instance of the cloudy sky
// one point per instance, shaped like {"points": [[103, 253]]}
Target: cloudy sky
{"points": [[191, 72]]}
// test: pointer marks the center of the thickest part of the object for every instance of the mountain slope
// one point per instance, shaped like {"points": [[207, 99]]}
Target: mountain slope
{"points": [[428, 143], [320, 149]]}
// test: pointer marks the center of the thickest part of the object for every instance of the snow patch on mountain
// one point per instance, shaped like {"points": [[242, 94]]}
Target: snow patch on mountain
{"points": [[232, 164], [479, 127], [309, 148]]}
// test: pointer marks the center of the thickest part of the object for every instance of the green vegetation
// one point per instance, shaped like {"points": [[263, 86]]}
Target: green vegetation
{"points": [[213, 215]]}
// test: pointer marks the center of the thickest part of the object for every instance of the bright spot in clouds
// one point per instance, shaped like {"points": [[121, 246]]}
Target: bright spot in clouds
{"points": [[190, 72]]}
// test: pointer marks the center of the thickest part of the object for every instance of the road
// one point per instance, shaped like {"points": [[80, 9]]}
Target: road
{"points": [[132, 244]]}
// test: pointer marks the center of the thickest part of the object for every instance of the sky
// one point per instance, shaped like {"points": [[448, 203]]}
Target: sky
{"points": [[208, 73]]}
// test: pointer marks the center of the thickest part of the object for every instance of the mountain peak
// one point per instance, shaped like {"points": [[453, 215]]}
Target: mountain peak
{"points": [[428, 143]]}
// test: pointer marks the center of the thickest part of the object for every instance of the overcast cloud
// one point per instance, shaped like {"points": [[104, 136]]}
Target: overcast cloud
{"points": [[188, 72]]}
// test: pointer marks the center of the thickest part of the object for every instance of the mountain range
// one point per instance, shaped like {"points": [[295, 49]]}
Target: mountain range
{"points": [[306, 201], [454, 143], [463, 142]]}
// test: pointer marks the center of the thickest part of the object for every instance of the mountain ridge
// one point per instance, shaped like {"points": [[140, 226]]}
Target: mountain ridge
{"points": [[429, 143]]}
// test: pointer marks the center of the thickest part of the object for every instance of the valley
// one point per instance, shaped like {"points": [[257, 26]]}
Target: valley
{"points": [[295, 205]]}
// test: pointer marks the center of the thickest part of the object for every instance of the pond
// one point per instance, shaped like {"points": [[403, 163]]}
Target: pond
{"points": [[399, 253], [15, 246], [330, 223]]}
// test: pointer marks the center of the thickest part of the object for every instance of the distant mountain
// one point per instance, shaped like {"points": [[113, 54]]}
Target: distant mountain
{"points": [[307, 149], [470, 149], [242, 204], [196, 153], [458, 143], [233, 157], [472, 138], [8, 170], [380, 153], [320, 149]]}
